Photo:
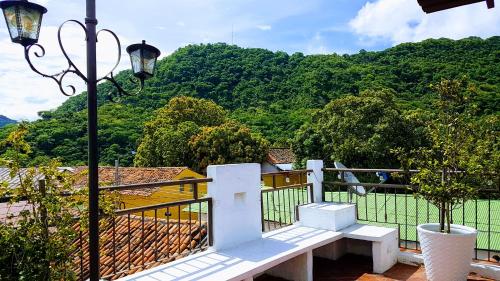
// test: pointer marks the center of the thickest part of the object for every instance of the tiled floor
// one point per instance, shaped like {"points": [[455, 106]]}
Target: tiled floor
{"points": [[356, 268]]}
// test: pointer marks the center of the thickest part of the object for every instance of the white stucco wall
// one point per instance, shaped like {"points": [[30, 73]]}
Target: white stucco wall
{"points": [[316, 178], [235, 191]]}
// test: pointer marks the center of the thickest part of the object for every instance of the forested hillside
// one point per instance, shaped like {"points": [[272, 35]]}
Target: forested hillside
{"points": [[273, 93], [5, 121]]}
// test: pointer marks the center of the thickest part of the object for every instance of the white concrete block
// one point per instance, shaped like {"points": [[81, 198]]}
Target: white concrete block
{"points": [[330, 216], [385, 244], [385, 253], [486, 270], [368, 232], [316, 178], [235, 191]]}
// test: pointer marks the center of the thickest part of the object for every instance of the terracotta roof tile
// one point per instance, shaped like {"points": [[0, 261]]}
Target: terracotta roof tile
{"points": [[130, 175], [23, 172], [280, 156], [193, 238]]}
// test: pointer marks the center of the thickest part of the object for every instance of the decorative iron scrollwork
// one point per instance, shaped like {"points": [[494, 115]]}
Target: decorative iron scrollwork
{"points": [[39, 52]]}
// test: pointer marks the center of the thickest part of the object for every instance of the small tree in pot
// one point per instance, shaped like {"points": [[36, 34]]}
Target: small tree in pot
{"points": [[461, 154]]}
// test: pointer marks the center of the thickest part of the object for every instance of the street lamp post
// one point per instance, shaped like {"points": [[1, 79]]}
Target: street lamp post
{"points": [[24, 21]]}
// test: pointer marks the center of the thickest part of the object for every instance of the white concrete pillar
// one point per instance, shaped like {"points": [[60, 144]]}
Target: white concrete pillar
{"points": [[316, 178], [235, 191], [385, 253]]}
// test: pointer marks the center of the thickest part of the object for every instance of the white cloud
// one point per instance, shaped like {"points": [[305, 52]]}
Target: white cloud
{"points": [[42, 2], [318, 45], [404, 21], [264, 27], [23, 93], [170, 25]]}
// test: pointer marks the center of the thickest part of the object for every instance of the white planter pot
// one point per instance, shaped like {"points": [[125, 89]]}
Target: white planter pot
{"points": [[447, 257]]}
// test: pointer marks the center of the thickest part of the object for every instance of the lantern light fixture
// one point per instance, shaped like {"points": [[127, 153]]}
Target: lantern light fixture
{"points": [[143, 58], [24, 20]]}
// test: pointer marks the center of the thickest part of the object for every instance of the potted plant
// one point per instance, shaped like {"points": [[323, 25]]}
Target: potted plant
{"points": [[459, 154]]}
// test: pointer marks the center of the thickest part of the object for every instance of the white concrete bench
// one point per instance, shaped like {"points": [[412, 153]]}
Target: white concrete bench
{"points": [[381, 243], [384, 244], [285, 253]]}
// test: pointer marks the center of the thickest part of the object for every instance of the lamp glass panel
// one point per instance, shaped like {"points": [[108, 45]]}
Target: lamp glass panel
{"points": [[135, 57], [143, 61], [30, 22], [23, 22], [11, 19], [149, 61]]}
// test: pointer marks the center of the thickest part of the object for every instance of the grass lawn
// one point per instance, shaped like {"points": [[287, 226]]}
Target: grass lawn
{"points": [[395, 210]]}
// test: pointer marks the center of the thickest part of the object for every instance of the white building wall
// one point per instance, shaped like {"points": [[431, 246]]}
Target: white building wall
{"points": [[235, 191]]}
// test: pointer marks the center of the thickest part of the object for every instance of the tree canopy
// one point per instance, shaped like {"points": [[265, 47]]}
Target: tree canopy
{"points": [[228, 143], [359, 131], [273, 93], [166, 137], [194, 132]]}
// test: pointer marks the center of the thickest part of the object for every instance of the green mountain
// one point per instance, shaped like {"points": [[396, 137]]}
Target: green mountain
{"points": [[274, 93], [6, 121]]}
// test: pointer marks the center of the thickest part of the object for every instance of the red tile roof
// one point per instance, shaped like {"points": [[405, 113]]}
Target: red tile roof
{"points": [[130, 242], [10, 213], [130, 175], [280, 156]]}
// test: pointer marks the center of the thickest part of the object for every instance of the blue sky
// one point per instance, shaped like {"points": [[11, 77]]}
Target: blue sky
{"points": [[308, 26]]}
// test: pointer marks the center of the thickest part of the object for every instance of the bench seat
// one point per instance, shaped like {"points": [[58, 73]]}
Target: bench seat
{"points": [[368, 232], [385, 244], [246, 260]]}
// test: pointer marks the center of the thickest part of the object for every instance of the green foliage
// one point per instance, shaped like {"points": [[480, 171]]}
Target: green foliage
{"points": [[37, 243], [463, 152], [273, 93], [167, 146], [166, 137], [359, 131], [181, 109], [228, 143], [37, 246], [192, 132]]}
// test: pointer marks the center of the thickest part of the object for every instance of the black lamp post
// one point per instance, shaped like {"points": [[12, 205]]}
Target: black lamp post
{"points": [[24, 20]]}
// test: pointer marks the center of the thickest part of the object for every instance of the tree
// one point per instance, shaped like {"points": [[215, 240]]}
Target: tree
{"points": [[35, 246], [272, 93], [167, 146], [228, 143], [359, 131], [166, 138], [463, 152], [201, 112], [38, 243]]}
